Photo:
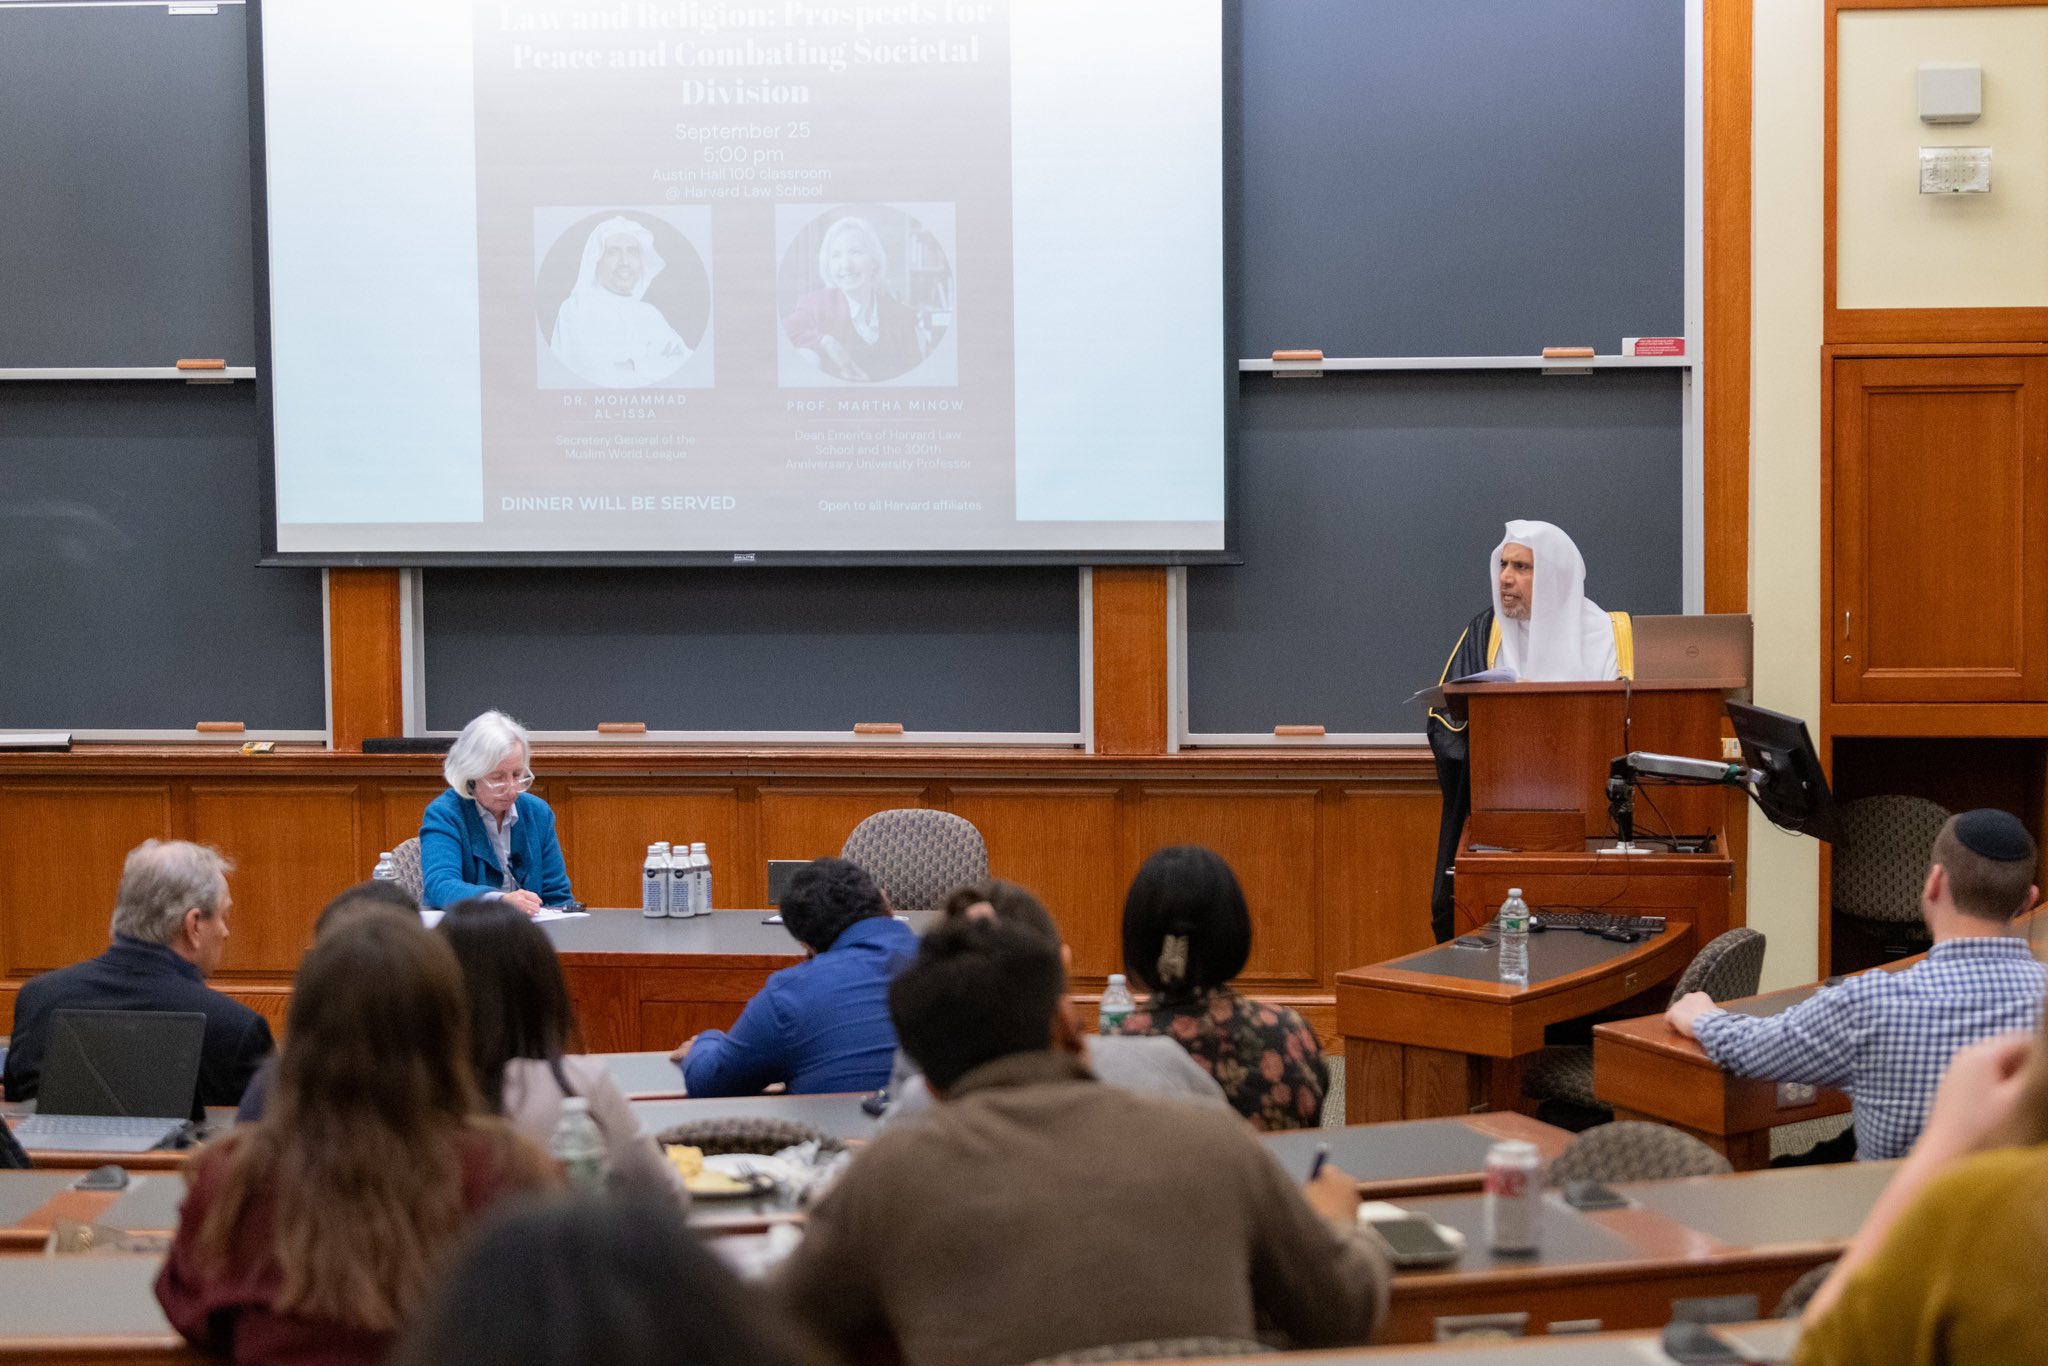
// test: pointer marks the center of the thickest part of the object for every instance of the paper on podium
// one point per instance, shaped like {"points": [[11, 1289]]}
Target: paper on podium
{"points": [[1434, 696]]}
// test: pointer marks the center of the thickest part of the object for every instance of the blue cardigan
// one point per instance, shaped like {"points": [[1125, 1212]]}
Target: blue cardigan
{"points": [[457, 862]]}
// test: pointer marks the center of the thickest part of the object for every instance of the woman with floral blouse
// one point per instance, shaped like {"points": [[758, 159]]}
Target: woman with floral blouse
{"points": [[1187, 933]]}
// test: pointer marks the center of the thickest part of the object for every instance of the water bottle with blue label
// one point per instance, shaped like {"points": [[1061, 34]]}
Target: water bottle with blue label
{"points": [[680, 883], [654, 884], [700, 880]]}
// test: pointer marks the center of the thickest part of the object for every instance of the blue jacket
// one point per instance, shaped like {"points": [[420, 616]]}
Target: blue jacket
{"points": [[822, 1025], [134, 975], [456, 859]]}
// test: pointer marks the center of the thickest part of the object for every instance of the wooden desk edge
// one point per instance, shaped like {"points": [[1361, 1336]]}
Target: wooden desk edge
{"points": [[1390, 976]]}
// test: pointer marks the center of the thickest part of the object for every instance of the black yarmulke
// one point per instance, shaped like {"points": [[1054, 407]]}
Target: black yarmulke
{"points": [[1994, 834]]}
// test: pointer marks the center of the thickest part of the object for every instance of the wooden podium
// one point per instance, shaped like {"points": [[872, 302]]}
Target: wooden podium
{"points": [[1540, 754]]}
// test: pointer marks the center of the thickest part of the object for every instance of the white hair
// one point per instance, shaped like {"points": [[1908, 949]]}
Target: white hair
{"points": [[865, 231], [483, 745], [162, 880]]}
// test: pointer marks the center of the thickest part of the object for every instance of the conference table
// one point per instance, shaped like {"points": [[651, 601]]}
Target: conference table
{"points": [[1439, 1033], [641, 984]]}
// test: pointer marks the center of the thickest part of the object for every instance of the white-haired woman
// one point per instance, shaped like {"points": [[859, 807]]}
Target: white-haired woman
{"points": [[856, 328], [487, 836]]}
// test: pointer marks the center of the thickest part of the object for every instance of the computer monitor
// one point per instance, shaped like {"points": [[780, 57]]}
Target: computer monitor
{"points": [[1791, 789]]}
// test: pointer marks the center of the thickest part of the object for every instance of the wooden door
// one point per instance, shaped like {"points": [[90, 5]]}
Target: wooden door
{"points": [[1938, 525]]}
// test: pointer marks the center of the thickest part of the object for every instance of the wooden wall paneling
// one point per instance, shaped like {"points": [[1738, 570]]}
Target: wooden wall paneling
{"points": [[395, 811], [65, 846], [271, 1002], [366, 680], [1268, 836], [804, 821], [1381, 845], [1724, 361], [607, 828], [1130, 661], [1061, 842], [294, 845]]}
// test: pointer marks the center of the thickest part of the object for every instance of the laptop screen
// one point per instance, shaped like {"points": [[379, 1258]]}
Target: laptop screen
{"points": [[122, 1062]]}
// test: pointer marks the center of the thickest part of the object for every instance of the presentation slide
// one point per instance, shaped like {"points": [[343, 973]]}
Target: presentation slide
{"points": [[684, 278]]}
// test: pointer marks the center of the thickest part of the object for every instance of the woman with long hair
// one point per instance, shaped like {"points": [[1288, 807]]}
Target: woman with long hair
{"points": [[521, 1028], [1187, 934], [313, 1235]]}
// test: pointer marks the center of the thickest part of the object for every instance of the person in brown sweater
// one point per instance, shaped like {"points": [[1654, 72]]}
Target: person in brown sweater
{"points": [[1036, 1211]]}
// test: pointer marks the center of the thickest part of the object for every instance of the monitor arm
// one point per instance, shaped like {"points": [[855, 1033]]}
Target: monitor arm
{"points": [[1625, 772]]}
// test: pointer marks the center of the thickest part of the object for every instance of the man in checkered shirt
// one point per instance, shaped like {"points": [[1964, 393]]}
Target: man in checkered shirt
{"points": [[1886, 1037]]}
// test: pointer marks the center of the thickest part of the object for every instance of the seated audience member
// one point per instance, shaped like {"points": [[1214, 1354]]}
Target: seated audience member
{"points": [[1938, 1272], [313, 1235], [1886, 1037], [1135, 1062], [1036, 1211], [364, 898], [487, 835], [170, 927], [520, 1024], [1187, 933], [822, 1025], [599, 1283]]}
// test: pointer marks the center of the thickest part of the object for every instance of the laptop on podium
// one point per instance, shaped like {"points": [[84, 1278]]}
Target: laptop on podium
{"points": [[115, 1081]]}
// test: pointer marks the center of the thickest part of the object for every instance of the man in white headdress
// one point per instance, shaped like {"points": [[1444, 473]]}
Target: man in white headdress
{"points": [[1543, 629], [606, 331]]}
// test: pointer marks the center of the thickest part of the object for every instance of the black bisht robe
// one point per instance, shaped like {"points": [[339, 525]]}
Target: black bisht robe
{"points": [[1454, 773]]}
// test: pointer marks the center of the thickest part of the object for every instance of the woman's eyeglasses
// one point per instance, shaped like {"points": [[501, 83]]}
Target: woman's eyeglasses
{"points": [[520, 782]]}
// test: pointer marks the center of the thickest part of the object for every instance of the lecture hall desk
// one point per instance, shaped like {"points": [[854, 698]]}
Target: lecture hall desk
{"points": [[1743, 1233], [1771, 1340], [78, 1310], [1438, 1032], [1747, 1233], [1646, 1070]]}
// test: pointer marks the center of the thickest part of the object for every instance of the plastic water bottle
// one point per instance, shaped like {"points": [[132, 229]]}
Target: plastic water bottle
{"points": [[681, 905], [386, 869], [654, 884], [700, 880], [579, 1146], [1117, 1005], [1514, 938]]}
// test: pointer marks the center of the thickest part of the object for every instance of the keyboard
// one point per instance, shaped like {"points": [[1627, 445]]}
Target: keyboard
{"points": [[94, 1133], [1597, 922]]}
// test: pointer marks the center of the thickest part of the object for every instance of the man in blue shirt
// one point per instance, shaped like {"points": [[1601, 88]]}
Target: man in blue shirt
{"points": [[1887, 1037], [824, 1024]]}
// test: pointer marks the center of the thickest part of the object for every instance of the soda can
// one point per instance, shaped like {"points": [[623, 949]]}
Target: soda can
{"points": [[1514, 1196]]}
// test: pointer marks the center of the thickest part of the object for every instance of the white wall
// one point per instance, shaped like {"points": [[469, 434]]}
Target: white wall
{"points": [[1898, 248], [1784, 469]]}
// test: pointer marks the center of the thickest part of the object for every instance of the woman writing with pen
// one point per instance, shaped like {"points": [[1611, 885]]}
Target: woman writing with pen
{"points": [[487, 835]]}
